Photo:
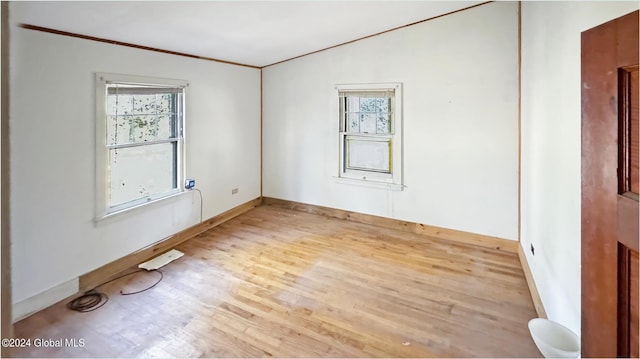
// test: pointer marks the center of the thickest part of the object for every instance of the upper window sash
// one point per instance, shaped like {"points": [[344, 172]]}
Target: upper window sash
{"points": [[142, 114], [367, 112]]}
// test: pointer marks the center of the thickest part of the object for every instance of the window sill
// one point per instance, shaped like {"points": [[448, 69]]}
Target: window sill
{"points": [[108, 216], [369, 183]]}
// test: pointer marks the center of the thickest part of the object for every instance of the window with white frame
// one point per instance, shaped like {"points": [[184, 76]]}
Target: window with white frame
{"points": [[139, 141], [371, 132]]}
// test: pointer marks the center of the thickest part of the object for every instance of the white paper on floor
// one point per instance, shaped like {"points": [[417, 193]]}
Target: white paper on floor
{"points": [[161, 260]]}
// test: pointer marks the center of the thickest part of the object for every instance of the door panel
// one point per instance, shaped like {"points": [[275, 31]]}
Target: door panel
{"points": [[634, 147], [634, 299], [634, 289], [628, 325], [610, 188], [628, 130], [628, 211]]}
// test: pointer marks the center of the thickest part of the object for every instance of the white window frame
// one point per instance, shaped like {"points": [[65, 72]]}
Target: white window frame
{"points": [[392, 180], [103, 208]]}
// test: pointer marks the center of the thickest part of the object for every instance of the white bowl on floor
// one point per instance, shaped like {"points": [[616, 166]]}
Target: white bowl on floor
{"points": [[554, 340]]}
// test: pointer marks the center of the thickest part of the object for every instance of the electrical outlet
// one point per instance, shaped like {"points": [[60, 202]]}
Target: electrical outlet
{"points": [[533, 250], [234, 191]]}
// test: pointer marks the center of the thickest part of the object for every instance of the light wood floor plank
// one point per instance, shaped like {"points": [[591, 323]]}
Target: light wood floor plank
{"points": [[275, 282]]}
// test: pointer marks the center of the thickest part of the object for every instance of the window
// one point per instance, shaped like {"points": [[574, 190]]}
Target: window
{"points": [[139, 141], [370, 133]]}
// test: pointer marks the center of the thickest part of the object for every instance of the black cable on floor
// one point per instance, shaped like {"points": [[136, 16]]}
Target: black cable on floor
{"points": [[147, 288], [93, 299], [89, 301]]}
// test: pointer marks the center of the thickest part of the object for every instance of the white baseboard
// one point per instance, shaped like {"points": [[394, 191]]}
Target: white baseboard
{"points": [[45, 299]]}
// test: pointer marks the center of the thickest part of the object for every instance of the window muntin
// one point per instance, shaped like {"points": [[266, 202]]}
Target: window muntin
{"points": [[370, 139], [139, 141]]}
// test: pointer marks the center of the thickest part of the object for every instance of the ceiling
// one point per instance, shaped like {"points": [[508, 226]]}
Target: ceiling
{"points": [[256, 33]]}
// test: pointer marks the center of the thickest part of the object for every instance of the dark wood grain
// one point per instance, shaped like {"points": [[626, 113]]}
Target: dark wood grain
{"points": [[634, 124], [606, 49], [634, 301]]}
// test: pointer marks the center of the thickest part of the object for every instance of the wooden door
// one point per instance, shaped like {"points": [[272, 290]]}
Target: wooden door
{"points": [[610, 189]]}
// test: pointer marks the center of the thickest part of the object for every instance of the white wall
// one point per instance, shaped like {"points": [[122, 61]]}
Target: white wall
{"points": [[459, 76], [55, 238], [551, 146]]}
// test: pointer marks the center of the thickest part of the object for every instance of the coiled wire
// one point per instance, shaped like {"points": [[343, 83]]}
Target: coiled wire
{"points": [[93, 299]]}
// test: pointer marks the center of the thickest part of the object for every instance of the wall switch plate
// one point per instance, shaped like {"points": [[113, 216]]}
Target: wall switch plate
{"points": [[189, 183], [234, 191]]}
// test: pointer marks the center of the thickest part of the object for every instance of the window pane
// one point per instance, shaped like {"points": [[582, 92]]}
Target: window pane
{"points": [[123, 104], [383, 104], [138, 172], [166, 127], [145, 128], [353, 104], [368, 123], [166, 103], [111, 105], [369, 104], [383, 124], [144, 104], [368, 155], [118, 130], [353, 122]]}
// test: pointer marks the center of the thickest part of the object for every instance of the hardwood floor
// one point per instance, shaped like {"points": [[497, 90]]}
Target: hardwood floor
{"points": [[279, 283]]}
